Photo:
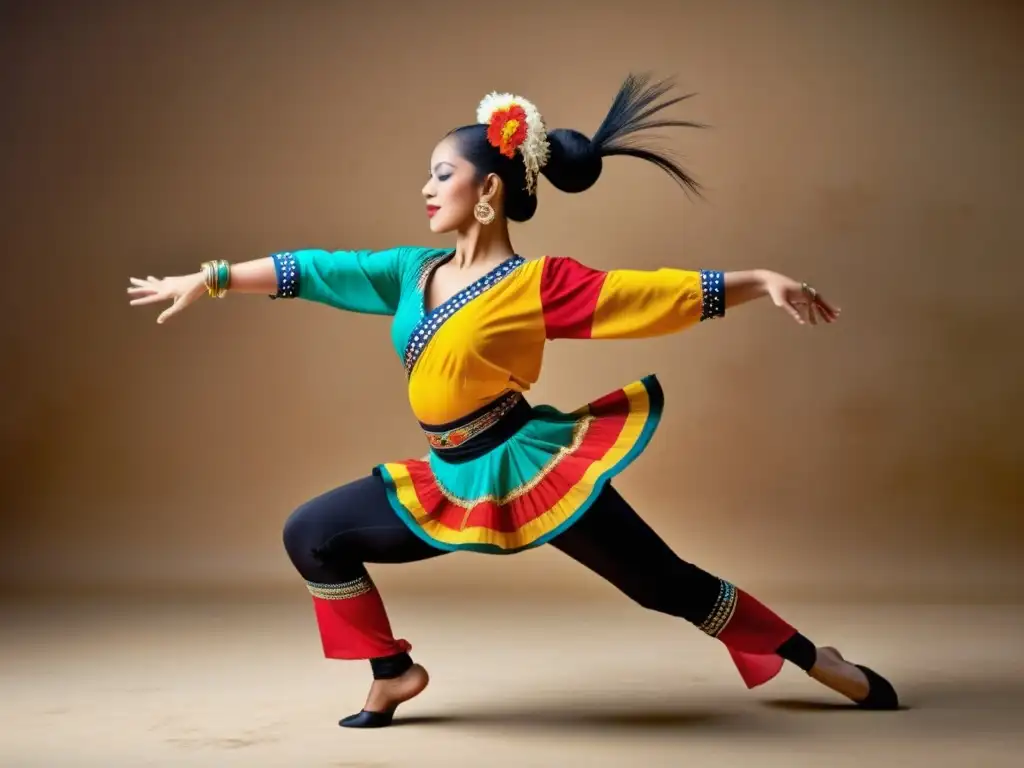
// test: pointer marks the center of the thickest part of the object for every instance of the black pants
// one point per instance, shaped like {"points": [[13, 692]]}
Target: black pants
{"points": [[331, 537]]}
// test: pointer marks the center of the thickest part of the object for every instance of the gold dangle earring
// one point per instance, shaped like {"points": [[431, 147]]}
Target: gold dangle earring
{"points": [[484, 212]]}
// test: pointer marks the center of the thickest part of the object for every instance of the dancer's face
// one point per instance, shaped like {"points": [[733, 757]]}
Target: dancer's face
{"points": [[453, 189]]}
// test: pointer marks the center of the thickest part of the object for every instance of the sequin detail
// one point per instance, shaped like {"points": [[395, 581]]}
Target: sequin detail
{"points": [[428, 266], [721, 613], [287, 270], [344, 591], [712, 288], [452, 438], [430, 322]]}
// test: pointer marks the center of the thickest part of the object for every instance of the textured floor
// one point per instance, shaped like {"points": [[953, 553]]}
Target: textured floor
{"points": [[241, 683]]}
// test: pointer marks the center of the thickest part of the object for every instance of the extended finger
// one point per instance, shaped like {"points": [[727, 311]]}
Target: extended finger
{"points": [[794, 312], [147, 300], [141, 290], [804, 308], [827, 308], [139, 281], [170, 311], [822, 311], [812, 316]]}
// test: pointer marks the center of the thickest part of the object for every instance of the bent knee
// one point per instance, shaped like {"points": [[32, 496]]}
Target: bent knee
{"points": [[302, 537], [322, 531]]}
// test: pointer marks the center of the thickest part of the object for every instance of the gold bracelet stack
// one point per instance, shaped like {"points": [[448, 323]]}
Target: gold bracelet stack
{"points": [[217, 277]]}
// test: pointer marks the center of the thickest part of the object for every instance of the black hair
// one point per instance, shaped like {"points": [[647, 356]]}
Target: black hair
{"points": [[576, 161]]}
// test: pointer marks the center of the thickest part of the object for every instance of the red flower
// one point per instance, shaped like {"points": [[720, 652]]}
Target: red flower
{"points": [[507, 130]]}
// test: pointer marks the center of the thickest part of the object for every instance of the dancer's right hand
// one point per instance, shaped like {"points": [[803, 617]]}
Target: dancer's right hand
{"points": [[181, 290]]}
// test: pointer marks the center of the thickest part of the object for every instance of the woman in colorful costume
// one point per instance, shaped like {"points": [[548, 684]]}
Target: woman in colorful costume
{"points": [[470, 325]]}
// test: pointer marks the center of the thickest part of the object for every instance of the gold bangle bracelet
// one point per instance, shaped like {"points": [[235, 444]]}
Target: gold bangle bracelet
{"points": [[216, 277], [208, 276]]}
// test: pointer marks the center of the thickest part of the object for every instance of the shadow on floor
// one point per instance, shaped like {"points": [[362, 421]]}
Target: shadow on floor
{"points": [[581, 715], [931, 706]]}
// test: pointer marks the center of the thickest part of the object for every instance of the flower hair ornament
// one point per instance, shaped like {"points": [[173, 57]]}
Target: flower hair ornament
{"points": [[514, 124]]}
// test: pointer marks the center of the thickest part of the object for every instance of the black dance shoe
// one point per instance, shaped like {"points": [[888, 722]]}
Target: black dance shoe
{"points": [[881, 694], [367, 719]]}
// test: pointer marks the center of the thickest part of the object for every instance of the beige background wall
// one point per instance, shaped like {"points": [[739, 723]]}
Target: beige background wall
{"points": [[871, 148]]}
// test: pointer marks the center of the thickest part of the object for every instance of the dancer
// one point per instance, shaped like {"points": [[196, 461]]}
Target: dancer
{"points": [[470, 325]]}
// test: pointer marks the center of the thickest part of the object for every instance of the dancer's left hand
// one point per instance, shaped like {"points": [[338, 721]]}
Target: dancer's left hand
{"points": [[803, 303]]}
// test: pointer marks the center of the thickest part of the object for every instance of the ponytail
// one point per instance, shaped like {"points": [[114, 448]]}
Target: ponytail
{"points": [[576, 161]]}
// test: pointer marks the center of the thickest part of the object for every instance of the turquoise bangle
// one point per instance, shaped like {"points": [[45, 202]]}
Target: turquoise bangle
{"points": [[223, 277]]}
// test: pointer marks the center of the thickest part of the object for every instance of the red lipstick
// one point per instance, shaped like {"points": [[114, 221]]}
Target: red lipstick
{"points": [[431, 210]]}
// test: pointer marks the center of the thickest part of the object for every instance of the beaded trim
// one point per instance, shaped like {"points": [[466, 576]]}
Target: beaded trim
{"points": [[287, 270], [712, 289], [430, 322], [452, 438], [725, 606], [345, 591], [427, 267]]}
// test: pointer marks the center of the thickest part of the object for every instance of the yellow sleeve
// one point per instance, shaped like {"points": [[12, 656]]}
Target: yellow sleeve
{"points": [[582, 302]]}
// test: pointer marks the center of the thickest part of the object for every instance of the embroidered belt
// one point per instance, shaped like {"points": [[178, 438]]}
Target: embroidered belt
{"points": [[480, 431]]}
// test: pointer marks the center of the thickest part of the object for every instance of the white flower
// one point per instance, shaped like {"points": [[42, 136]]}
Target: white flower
{"points": [[535, 148]]}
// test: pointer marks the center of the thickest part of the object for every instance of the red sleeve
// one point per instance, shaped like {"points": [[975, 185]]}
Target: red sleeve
{"points": [[569, 292]]}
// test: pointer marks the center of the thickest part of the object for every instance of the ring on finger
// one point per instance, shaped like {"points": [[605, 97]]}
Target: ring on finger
{"points": [[809, 290]]}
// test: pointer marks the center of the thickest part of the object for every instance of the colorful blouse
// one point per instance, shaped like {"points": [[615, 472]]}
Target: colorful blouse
{"points": [[470, 360]]}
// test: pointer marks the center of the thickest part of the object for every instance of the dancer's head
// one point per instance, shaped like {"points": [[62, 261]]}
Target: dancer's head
{"points": [[498, 159]]}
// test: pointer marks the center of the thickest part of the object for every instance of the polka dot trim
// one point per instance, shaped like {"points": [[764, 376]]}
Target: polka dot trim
{"points": [[429, 323], [287, 269], [712, 288]]}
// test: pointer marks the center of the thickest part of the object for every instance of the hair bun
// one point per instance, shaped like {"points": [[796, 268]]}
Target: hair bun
{"points": [[574, 163]]}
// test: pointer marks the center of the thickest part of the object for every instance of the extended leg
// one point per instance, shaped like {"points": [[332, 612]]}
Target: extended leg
{"points": [[328, 540], [613, 541]]}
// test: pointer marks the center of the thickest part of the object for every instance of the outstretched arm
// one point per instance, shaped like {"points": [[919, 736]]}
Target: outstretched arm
{"points": [[358, 281], [582, 302]]}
